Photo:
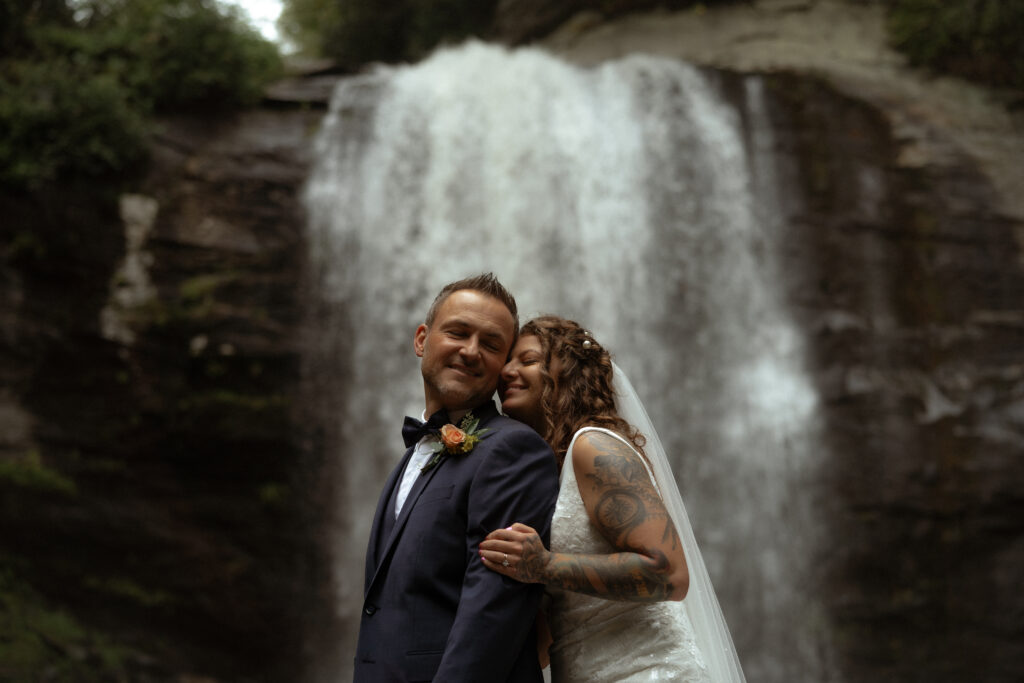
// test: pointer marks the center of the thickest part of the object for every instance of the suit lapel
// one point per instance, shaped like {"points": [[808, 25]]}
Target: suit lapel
{"points": [[403, 516], [383, 520], [384, 542]]}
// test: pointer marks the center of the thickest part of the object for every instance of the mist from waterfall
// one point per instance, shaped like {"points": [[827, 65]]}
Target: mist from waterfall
{"points": [[631, 197]]}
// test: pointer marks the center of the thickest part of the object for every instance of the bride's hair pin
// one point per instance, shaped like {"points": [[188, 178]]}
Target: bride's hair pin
{"points": [[588, 343]]}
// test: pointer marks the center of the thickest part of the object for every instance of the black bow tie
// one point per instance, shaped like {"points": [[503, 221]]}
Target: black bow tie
{"points": [[413, 430]]}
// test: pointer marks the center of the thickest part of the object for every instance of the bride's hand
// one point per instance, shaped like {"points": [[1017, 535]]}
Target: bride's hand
{"points": [[519, 546]]}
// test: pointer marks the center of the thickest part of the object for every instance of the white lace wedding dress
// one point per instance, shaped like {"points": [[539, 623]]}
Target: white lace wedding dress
{"points": [[611, 640]]}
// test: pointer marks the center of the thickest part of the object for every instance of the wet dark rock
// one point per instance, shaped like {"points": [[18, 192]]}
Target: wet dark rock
{"points": [[307, 91], [151, 478], [915, 288]]}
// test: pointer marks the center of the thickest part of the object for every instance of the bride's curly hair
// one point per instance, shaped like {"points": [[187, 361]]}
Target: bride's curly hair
{"points": [[578, 390]]}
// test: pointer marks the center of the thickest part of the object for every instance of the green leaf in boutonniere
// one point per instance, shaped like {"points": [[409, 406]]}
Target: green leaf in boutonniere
{"points": [[457, 440]]}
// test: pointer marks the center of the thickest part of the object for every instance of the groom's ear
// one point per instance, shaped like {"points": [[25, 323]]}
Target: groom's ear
{"points": [[419, 341]]}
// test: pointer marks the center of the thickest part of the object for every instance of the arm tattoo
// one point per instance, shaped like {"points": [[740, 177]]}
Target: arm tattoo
{"points": [[618, 511], [531, 567], [626, 499], [620, 576]]}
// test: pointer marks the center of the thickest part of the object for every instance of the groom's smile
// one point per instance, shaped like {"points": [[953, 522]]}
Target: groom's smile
{"points": [[463, 370]]}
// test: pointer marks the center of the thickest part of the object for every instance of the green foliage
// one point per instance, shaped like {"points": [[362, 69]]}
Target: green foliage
{"points": [[18, 18], [354, 32], [61, 118], [308, 23], [35, 637], [273, 495], [434, 22], [183, 54], [203, 287], [975, 39], [29, 472], [127, 589], [79, 88], [368, 30]]}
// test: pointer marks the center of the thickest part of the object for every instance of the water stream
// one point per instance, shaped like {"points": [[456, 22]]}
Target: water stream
{"points": [[632, 197]]}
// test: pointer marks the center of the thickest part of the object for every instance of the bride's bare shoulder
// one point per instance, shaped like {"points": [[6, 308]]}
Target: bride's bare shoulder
{"points": [[594, 447]]}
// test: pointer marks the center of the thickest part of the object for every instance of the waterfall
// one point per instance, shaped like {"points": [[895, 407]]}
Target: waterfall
{"points": [[632, 197]]}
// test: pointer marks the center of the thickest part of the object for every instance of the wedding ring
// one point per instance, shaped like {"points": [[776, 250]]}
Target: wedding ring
{"points": [[506, 563]]}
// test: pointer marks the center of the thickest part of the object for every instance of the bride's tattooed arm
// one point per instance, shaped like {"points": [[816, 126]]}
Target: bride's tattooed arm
{"points": [[648, 562]]}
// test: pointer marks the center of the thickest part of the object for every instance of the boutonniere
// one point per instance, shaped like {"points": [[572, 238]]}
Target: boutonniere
{"points": [[457, 440]]}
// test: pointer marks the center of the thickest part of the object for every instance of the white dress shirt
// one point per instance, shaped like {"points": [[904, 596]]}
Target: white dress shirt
{"points": [[424, 452], [420, 457]]}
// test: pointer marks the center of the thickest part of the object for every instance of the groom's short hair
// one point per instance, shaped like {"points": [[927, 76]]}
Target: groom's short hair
{"points": [[485, 284]]}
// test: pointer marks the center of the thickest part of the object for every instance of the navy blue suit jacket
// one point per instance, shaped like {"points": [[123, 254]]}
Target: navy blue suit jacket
{"points": [[431, 610]]}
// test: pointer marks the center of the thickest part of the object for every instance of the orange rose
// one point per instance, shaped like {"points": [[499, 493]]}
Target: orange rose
{"points": [[452, 437], [457, 440]]}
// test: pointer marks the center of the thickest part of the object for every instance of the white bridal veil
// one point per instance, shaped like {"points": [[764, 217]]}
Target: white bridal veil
{"points": [[701, 605]]}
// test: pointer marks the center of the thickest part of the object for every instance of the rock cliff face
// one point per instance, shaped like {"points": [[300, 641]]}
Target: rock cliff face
{"points": [[151, 476], [909, 284], [160, 502]]}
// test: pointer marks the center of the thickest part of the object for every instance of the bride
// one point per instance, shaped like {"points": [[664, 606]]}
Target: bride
{"points": [[622, 554]]}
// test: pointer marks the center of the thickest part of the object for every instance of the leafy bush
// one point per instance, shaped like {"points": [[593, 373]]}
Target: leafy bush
{"points": [[182, 54], [976, 39], [438, 21], [18, 18], [39, 641], [78, 88], [307, 23], [59, 118], [355, 32]]}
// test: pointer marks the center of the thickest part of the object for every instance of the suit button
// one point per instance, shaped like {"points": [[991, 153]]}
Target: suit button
{"points": [[370, 609]]}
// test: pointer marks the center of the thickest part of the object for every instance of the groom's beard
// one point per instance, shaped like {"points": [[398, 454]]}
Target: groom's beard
{"points": [[458, 393]]}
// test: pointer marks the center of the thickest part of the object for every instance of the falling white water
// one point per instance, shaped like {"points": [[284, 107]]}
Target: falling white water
{"points": [[628, 197]]}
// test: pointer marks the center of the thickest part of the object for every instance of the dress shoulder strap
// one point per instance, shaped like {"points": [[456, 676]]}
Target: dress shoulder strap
{"points": [[647, 465]]}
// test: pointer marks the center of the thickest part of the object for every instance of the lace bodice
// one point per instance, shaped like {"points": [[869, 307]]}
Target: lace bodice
{"points": [[610, 640]]}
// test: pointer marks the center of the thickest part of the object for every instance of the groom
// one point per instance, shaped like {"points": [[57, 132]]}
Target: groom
{"points": [[431, 610]]}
